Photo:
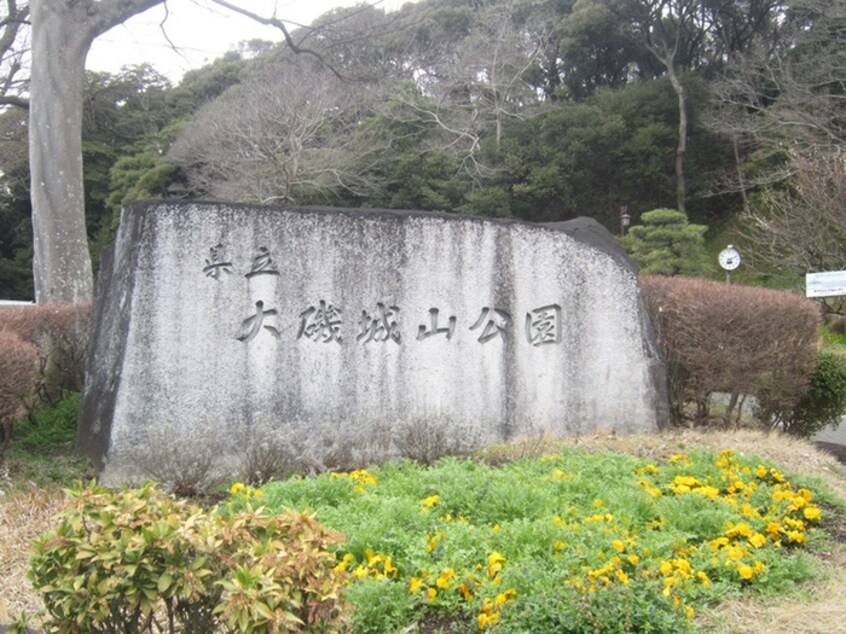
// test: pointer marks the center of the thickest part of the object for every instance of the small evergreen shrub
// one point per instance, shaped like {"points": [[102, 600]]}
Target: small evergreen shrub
{"points": [[138, 560], [824, 403]]}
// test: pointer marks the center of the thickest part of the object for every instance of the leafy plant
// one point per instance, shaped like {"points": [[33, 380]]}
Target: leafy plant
{"points": [[139, 560], [50, 429], [824, 402], [565, 542], [666, 244]]}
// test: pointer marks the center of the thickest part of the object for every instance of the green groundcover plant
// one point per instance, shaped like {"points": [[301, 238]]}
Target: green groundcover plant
{"points": [[569, 542]]}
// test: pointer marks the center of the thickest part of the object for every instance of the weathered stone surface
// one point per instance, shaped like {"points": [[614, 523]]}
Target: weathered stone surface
{"points": [[358, 334]]}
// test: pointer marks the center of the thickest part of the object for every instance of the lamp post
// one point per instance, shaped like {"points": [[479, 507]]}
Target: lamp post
{"points": [[625, 219]]}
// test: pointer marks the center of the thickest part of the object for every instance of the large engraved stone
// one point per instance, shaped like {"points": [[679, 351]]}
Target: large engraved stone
{"points": [[216, 323]]}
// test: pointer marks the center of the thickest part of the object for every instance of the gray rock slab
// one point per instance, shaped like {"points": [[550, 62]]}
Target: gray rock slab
{"points": [[217, 325]]}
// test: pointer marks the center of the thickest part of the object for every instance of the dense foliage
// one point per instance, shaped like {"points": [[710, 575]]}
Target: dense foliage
{"points": [[569, 542], [665, 243], [541, 110], [824, 402], [138, 560]]}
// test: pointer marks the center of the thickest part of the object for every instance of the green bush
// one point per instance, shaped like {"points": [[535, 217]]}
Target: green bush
{"points": [[139, 560], [666, 244], [824, 403], [50, 429]]}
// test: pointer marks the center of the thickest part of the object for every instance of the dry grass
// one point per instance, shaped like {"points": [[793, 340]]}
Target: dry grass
{"points": [[817, 609], [24, 514]]}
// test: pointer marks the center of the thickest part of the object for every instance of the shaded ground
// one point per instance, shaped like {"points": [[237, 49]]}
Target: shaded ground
{"points": [[838, 451], [834, 442]]}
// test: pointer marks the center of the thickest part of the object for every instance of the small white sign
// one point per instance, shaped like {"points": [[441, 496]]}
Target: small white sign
{"points": [[828, 284]]}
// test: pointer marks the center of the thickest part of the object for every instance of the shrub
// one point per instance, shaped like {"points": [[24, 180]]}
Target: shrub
{"points": [[666, 244], [824, 403], [727, 338], [18, 374], [142, 561], [60, 334]]}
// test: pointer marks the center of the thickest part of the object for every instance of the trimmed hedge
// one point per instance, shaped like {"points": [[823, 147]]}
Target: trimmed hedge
{"points": [[18, 376], [741, 340]]}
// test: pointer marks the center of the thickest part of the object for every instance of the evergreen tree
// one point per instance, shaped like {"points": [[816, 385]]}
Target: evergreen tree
{"points": [[666, 244]]}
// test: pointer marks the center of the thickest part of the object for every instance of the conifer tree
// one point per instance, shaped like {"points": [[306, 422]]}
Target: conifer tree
{"points": [[665, 243]]}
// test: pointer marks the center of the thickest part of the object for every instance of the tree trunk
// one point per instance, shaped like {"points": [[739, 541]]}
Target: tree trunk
{"points": [[61, 261], [681, 147], [62, 33]]}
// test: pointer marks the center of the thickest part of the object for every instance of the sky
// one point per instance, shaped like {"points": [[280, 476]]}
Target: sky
{"points": [[200, 31]]}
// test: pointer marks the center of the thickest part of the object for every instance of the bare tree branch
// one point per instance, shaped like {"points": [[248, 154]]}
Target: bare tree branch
{"points": [[279, 24]]}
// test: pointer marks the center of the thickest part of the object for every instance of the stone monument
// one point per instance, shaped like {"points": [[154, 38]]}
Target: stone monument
{"points": [[358, 334]]}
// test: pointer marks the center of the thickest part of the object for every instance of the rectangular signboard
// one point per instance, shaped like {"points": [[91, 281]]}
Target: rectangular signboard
{"points": [[828, 284]]}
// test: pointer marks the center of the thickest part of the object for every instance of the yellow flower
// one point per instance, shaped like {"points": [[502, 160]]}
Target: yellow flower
{"points": [[633, 559], [812, 512], [495, 563], [236, 488], [414, 585], [432, 540], [746, 572], [761, 471], [689, 612], [622, 576], [444, 578], [372, 558], [430, 501], [345, 563], [431, 593], [465, 591], [708, 491], [389, 568], [618, 545], [796, 537], [485, 621], [757, 540]]}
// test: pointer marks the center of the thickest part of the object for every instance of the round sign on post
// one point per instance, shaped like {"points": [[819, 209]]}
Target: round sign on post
{"points": [[729, 259]]}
